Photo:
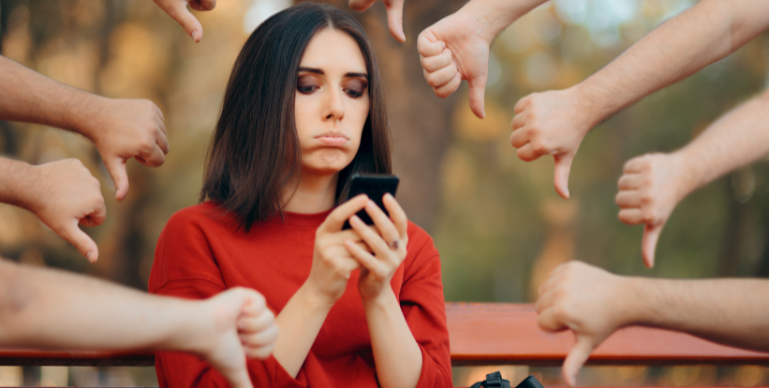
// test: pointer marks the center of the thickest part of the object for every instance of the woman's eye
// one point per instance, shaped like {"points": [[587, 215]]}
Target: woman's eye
{"points": [[306, 89], [353, 93]]}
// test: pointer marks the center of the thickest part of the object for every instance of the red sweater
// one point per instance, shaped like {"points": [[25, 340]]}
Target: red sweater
{"points": [[201, 253]]}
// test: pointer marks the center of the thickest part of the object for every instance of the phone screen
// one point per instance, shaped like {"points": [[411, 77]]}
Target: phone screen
{"points": [[374, 186]]}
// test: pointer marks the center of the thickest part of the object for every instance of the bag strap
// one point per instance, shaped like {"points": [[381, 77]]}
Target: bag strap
{"points": [[493, 380]]}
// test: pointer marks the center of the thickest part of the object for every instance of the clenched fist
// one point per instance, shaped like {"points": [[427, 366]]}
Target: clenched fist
{"points": [[649, 190]]}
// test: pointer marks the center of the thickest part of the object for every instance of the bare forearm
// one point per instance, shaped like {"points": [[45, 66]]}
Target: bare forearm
{"points": [[680, 47], [31, 97], [737, 139], [728, 311], [55, 309], [396, 353], [299, 324]]}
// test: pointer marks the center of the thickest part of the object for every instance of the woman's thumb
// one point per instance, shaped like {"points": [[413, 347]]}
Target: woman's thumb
{"points": [[561, 174], [477, 91]]}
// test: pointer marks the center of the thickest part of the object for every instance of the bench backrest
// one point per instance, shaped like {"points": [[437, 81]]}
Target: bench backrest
{"points": [[488, 333]]}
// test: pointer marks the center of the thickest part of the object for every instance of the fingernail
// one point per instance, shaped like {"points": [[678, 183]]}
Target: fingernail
{"points": [[355, 219], [196, 36], [91, 255], [443, 45]]}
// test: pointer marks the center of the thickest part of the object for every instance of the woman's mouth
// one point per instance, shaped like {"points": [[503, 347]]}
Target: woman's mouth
{"points": [[333, 139]]}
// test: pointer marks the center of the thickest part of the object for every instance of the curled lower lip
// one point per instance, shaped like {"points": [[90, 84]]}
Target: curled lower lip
{"points": [[333, 139]]}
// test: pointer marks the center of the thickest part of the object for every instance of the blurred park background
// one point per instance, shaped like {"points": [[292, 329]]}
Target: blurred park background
{"points": [[497, 221]]}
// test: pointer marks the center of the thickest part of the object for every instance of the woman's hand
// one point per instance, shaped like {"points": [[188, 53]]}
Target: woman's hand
{"points": [[332, 264], [389, 247]]}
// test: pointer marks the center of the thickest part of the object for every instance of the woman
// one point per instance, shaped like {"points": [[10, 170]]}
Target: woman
{"points": [[356, 308]]}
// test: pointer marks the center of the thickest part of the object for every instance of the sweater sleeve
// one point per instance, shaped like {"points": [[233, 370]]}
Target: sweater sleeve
{"points": [[423, 305], [185, 266]]}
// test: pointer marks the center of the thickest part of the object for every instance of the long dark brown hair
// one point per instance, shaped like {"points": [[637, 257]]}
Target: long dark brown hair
{"points": [[255, 152]]}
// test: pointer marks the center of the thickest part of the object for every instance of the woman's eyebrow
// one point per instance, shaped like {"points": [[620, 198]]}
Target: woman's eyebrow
{"points": [[357, 75], [321, 72]]}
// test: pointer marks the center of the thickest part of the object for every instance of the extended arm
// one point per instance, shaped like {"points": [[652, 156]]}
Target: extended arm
{"points": [[54, 309], [594, 303], [555, 122], [652, 185], [120, 129]]}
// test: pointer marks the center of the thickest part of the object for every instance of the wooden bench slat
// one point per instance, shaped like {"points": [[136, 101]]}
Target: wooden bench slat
{"points": [[507, 333], [486, 334]]}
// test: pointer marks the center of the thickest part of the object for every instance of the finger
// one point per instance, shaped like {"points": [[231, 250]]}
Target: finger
{"points": [[477, 90], [520, 106], [152, 158], [382, 222], [162, 141], [428, 45], [80, 240], [116, 169], [446, 90], [442, 76], [249, 324], [546, 320], [631, 216], [628, 199], [561, 178], [395, 19], [97, 216], [337, 218], [364, 258], [179, 12], [436, 62], [649, 244], [527, 153], [518, 121], [259, 353], [634, 165], [371, 238], [260, 338], [630, 182], [519, 137], [397, 214], [576, 358]]}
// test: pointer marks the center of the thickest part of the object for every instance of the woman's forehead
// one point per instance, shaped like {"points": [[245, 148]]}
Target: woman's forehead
{"points": [[333, 50]]}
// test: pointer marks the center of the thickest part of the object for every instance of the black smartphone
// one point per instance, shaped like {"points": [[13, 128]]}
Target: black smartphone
{"points": [[374, 186]]}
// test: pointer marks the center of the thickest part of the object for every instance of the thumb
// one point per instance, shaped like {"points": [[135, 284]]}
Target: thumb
{"points": [[649, 244], [561, 178], [80, 240], [239, 378], [477, 90], [116, 169], [179, 12], [395, 19], [576, 358]]}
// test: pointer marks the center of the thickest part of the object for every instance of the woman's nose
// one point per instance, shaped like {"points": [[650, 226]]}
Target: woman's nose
{"points": [[334, 105]]}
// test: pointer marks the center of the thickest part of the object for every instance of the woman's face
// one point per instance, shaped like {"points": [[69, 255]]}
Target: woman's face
{"points": [[332, 101]]}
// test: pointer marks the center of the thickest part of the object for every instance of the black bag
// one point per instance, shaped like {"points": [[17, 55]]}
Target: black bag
{"points": [[495, 380]]}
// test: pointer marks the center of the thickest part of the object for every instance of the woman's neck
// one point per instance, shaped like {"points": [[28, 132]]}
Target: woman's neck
{"points": [[315, 193]]}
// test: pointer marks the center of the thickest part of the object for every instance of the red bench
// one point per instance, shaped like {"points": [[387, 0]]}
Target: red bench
{"points": [[488, 334]]}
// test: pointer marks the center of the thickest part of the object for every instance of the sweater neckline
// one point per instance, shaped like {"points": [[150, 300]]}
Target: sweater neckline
{"points": [[301, 219]]}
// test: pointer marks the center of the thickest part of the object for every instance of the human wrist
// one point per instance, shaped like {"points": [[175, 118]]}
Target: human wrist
{"points": [[313, 299], [692, 170], [380, 301], [630, 295], [593, 106], [17, 183], [86, 115]]}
